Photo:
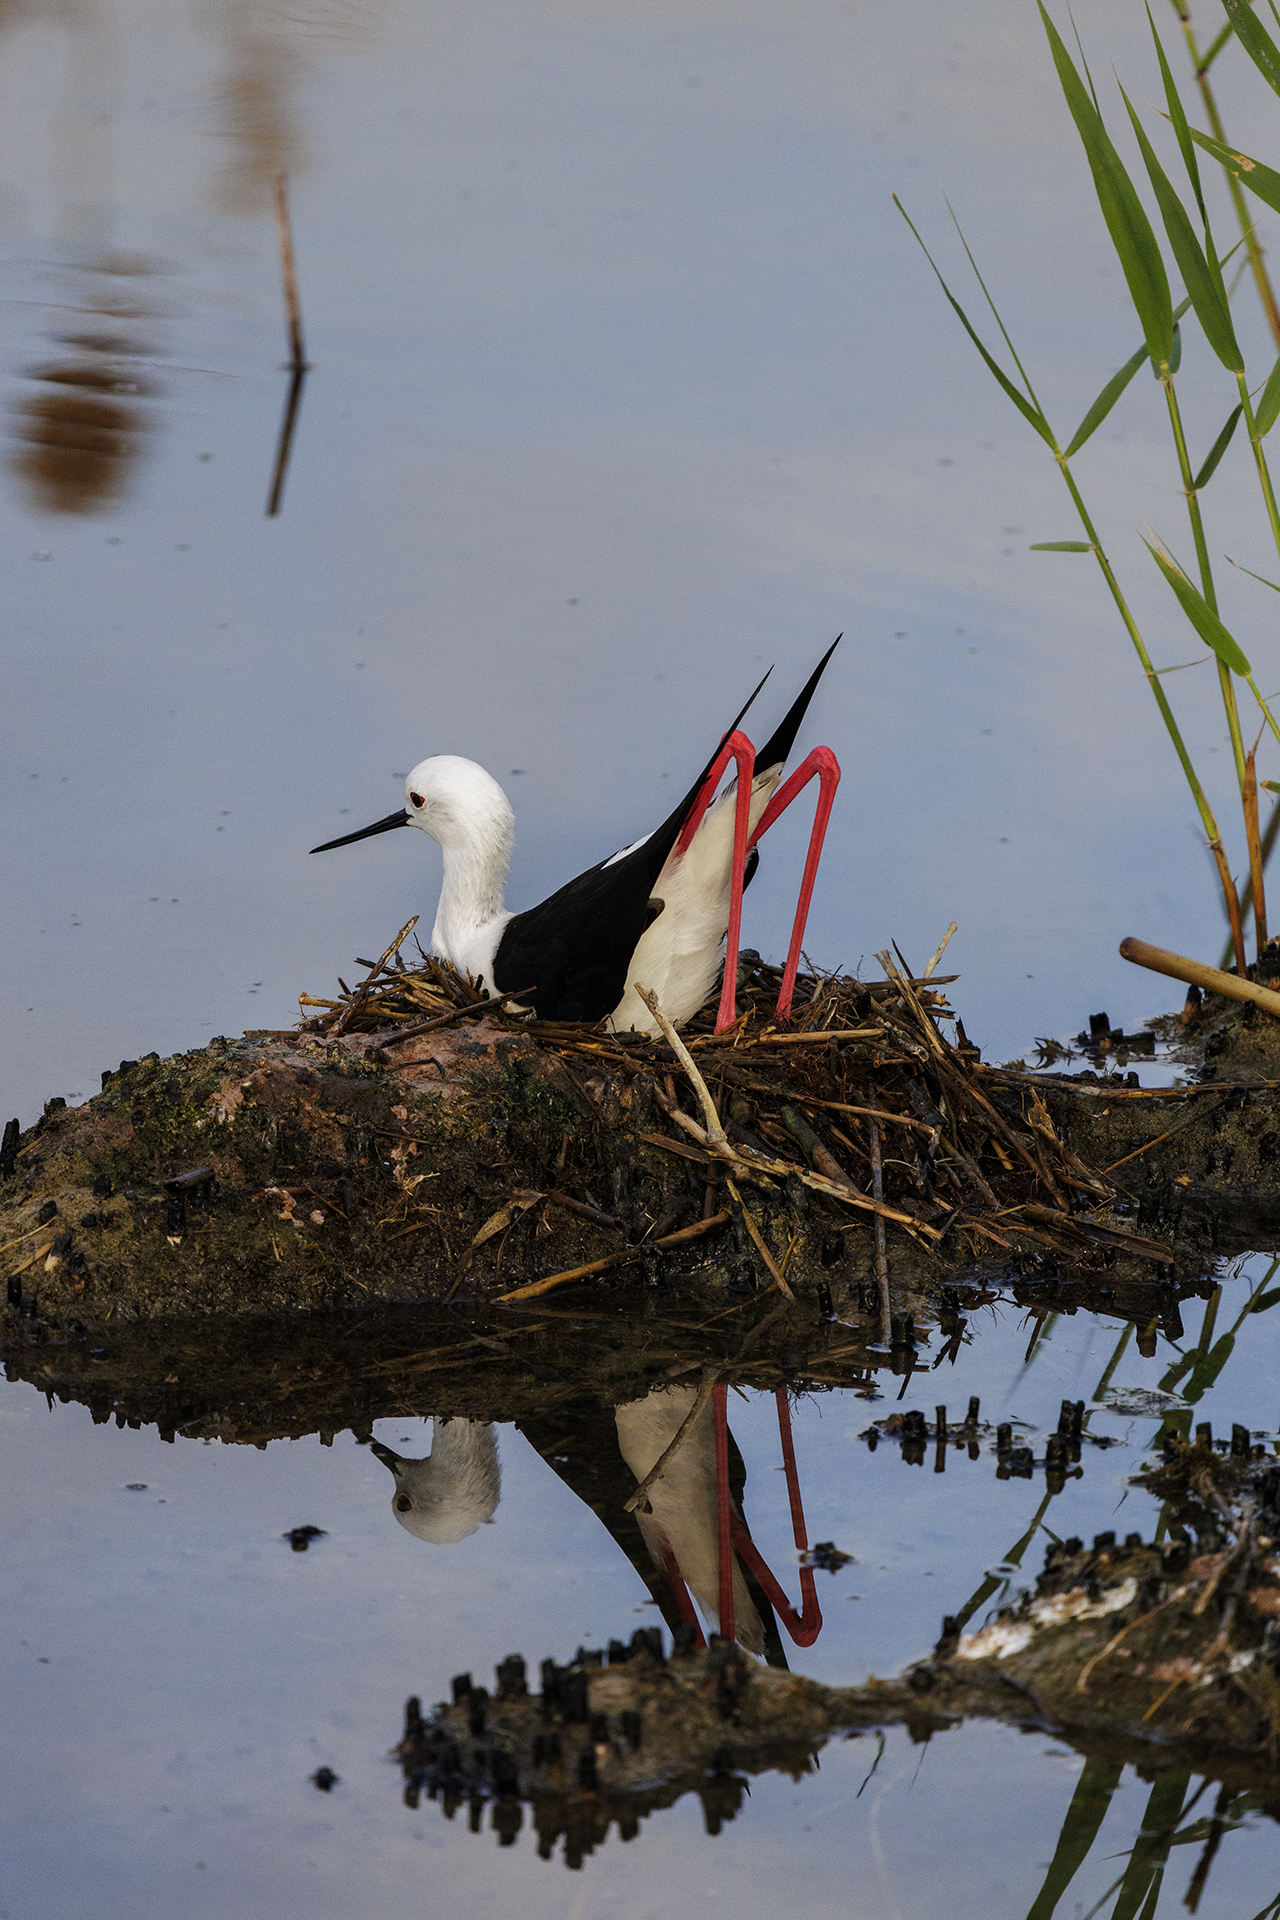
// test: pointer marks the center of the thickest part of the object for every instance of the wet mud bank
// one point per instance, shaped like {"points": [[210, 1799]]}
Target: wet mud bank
{"points": [[865, 1162]]}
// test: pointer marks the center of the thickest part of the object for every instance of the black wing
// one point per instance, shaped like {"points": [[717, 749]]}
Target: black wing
{"points": [[576, 947]]}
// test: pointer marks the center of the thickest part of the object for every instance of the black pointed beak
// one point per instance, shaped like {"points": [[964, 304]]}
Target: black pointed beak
{"points": [[389, 1459], [400, 819]]}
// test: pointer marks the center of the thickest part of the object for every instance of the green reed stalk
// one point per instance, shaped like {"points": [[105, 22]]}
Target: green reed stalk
{"points": [[1029, 406], [1192, 495], [1200, 65]]}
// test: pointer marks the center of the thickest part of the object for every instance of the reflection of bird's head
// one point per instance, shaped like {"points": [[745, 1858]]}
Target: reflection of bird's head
{"points": [[454, 1490]]}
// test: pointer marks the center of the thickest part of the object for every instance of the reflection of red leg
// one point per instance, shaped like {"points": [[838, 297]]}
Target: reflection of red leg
{"points": [[805, 1626], [724, 1510], [823, 763], [680, 1593]]}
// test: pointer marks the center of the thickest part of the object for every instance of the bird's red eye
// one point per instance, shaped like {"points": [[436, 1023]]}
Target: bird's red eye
{"points": [[417, 800], [403, 1503]]}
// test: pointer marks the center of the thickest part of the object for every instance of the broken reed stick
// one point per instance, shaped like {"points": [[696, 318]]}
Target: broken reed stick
{"points": [[716, 1136], [393, 1035], [942, 947], [866, 1113], [1268, 847], [787, 1039], [710, 1378], [1249, 799], [694, 1232], [882, 1256], [1158, 1141], [289, 276], [782, 1169], [1076, 1091], [757, 1240], [361, 993], [284, 444], [1196, 974]]}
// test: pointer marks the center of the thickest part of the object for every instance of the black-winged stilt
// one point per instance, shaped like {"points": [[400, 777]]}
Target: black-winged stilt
{"points": [[663, 912]]}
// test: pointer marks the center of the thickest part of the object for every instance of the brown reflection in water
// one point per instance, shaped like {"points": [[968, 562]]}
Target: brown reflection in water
{"points": [[80, 431], [270, 50], [254, 102]]}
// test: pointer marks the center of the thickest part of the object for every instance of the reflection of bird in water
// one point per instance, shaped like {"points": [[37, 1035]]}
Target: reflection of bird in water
{"points": [[655, 913], [681, 1527], [454, 1490]]}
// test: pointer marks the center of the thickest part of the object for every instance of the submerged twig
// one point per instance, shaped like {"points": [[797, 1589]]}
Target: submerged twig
{"points": [[298, 364], [882, 1253], [289, 277], [709, 1379], [757, 1240]]}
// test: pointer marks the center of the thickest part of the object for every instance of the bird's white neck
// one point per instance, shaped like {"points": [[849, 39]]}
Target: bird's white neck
{"points": [[470, 817]]}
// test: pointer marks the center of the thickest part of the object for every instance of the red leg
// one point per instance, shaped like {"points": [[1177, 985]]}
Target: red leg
{"points": [[823, 763]]}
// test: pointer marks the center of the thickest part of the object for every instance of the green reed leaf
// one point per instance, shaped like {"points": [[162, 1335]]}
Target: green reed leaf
{"points": [[1201, 615], [1131, 232], [1255, 40], [1112, 391], [1267, 411], [1217, 450], [1063, 546], [1261, 578], [1208, 297], [1262, 180], [1026, 408], [1179, 119], [1106, 400]]}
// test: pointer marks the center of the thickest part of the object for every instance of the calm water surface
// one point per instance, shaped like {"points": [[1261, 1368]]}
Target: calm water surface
{"points": [[627, 379], [175, 1673]]}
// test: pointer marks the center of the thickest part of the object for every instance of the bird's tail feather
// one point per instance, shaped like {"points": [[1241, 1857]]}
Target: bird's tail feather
{"points": [[779, 744]]}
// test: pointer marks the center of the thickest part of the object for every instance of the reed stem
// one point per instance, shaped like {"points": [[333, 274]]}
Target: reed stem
{"points": [[1200, 64], [1208, 821], [1207, 587]]}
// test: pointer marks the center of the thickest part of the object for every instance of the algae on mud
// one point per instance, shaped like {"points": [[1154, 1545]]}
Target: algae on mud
{"points": [[330, 1171]]}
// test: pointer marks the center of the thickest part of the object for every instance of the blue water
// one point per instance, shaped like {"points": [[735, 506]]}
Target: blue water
{"points": [[174, 1673]]}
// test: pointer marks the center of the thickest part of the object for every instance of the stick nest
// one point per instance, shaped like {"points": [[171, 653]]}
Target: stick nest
{"points": [[871, 1097]]}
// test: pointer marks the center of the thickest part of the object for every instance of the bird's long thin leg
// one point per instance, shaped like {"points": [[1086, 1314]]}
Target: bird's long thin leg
{"points": [[824, 764]]}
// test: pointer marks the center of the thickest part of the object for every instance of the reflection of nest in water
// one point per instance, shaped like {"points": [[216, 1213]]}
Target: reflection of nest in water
{"points": [[862, 1100], [80, 437]]}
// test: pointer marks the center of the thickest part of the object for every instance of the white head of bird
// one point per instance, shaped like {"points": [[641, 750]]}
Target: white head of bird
{"points": [[456, 1489], [469, 816]]}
